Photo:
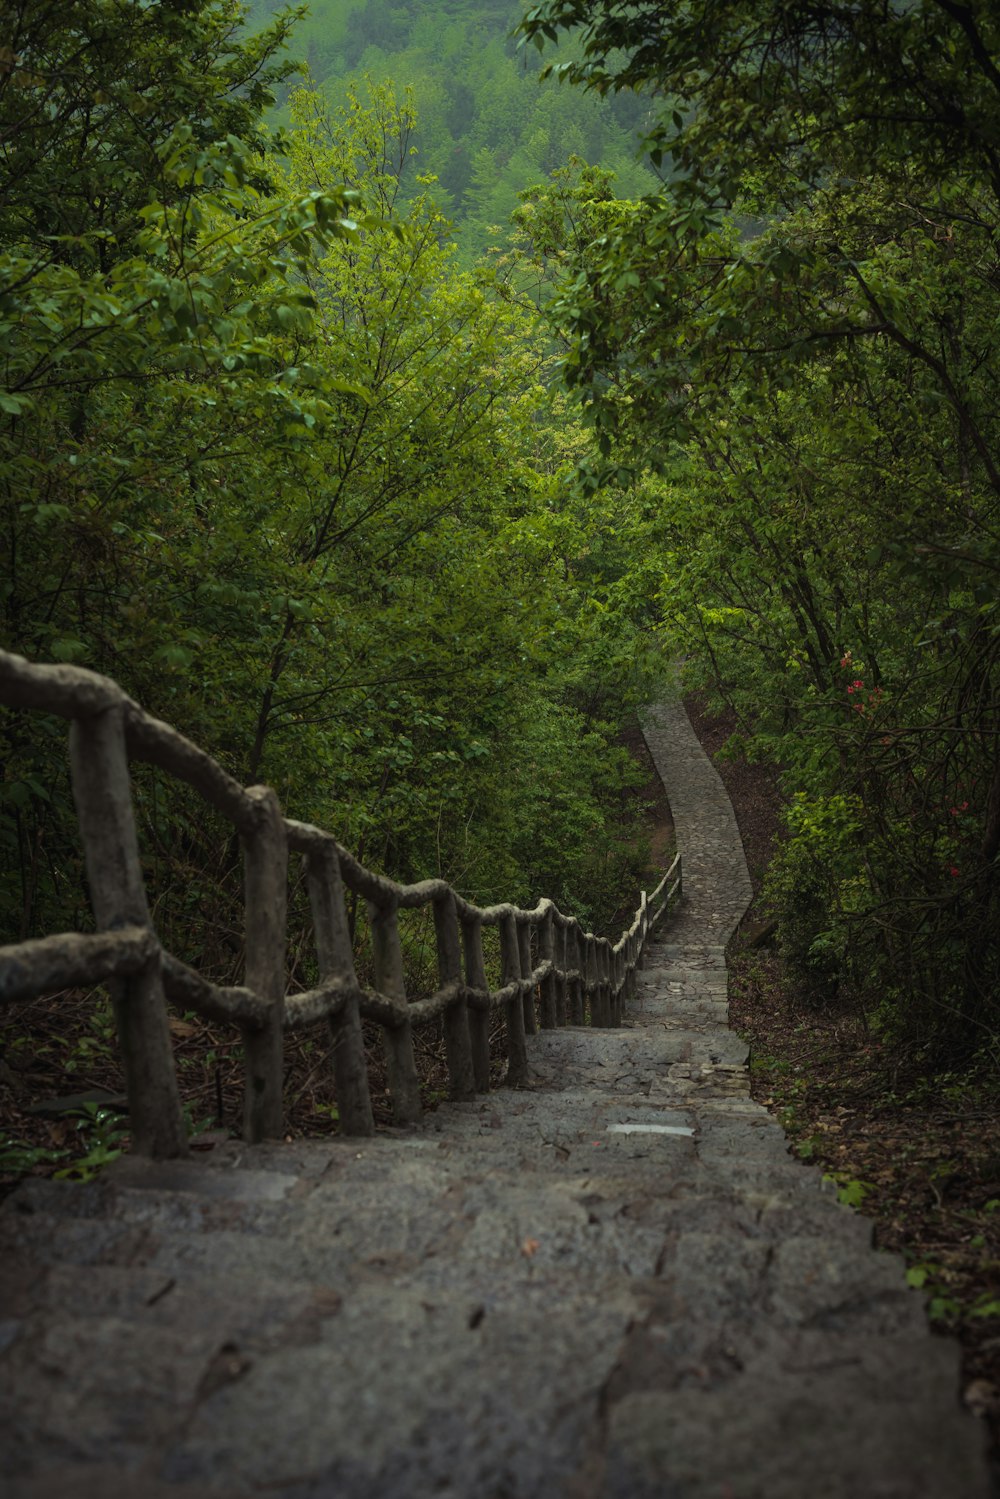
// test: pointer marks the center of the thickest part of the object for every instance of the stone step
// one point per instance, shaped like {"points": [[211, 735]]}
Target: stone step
{"points": [[831, 1418], [384, 1205], [222, 1346], [616, 1283]]}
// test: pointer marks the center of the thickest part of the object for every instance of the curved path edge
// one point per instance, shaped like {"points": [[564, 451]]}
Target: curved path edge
{"points": [[717, 888]]}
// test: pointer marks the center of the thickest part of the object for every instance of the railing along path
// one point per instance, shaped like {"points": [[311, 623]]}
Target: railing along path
{"points": [[576, 977]]}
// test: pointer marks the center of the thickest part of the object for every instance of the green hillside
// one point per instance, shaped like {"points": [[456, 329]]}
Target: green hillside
{"points": [[486, 127]]}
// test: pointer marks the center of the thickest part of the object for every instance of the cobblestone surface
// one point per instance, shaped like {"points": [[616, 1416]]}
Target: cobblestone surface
{"points": [[613, 1284]]}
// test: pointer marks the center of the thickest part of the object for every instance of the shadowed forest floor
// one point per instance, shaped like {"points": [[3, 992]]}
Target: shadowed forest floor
{"points": [[917, 1151]]}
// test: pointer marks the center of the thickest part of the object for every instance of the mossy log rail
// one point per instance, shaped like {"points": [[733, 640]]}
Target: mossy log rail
{"points": [[552, 971]]}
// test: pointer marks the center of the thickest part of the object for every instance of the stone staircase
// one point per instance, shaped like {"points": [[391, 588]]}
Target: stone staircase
{"points": [[615, 1283]]}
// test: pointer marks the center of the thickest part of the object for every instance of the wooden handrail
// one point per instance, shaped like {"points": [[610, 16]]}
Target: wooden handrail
{"points": [[545, 955]]}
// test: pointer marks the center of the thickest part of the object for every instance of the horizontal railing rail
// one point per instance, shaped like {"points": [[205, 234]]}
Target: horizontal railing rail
{"points": [[552, 971]]}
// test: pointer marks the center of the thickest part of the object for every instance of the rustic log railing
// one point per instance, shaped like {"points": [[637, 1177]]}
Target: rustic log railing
{"points": [[576, 977]]}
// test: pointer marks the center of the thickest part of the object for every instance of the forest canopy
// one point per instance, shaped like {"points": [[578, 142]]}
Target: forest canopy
{"points": [[387, 427], [275, 461], [799, 334], [485, 129]]}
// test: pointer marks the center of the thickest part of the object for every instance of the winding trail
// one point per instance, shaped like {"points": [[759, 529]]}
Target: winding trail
{"points": [[716, 879], [614, 1284]]}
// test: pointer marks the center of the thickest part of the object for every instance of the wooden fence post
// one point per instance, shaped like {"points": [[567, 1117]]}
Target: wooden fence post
{"points": [[527, 969], [604, 964], [583, 952], [510, 960], [387, 952], [593, 990], [547, 953], [610, 974], [265, 864], [598, 1012], [575, 959], [617, 983], [563, 963], [336, 961], [103, 795], [479, 1019], [643, 929], [457, 1045]]}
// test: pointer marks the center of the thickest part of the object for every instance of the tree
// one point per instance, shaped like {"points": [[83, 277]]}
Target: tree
{"points": [[797, 333], [135, 244], [763, 106], [417, 649], [474, 95], [272, 467], [777, 92]]}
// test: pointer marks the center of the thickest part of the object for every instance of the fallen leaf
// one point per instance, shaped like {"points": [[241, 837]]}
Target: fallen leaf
{"points": [[529, 1247], [228, 1365], [982, 1398]]}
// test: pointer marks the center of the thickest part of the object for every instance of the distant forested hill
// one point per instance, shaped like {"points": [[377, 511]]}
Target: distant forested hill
{"points": [[486, 127]]}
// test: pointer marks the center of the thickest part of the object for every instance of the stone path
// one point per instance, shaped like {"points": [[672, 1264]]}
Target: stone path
{"points": [[716, 880], [615, 1284]]}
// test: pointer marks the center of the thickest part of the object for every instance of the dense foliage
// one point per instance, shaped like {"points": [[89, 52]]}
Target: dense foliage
{"points": [[799, 332], [282, 453], [486, 129], [273, 460]]}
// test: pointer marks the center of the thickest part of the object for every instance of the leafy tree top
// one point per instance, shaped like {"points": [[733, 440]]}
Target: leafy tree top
{"points": [[90, 91], [780, 91]]}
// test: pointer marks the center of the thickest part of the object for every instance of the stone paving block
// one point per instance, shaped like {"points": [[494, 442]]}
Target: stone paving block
{"points": [[556, 1230], [171, 1195], [806, 1431], [822, 1283], [298, 1158], [74, 1388], [48, 1238], [245, 1184], [237, 1310], [83, 1480], [269, 1257], [118, 1291], [517, 1374]]}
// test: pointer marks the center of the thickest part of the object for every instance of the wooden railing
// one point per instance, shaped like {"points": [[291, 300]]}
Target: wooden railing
{"points": [[544, 956]]}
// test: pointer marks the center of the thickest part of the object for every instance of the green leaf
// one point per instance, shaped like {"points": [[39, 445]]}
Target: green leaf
{"points": [[67, 649]]}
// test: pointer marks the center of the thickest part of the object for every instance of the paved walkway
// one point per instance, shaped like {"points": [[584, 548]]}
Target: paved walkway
{"points": [[615, 1284], [716, 880]]}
